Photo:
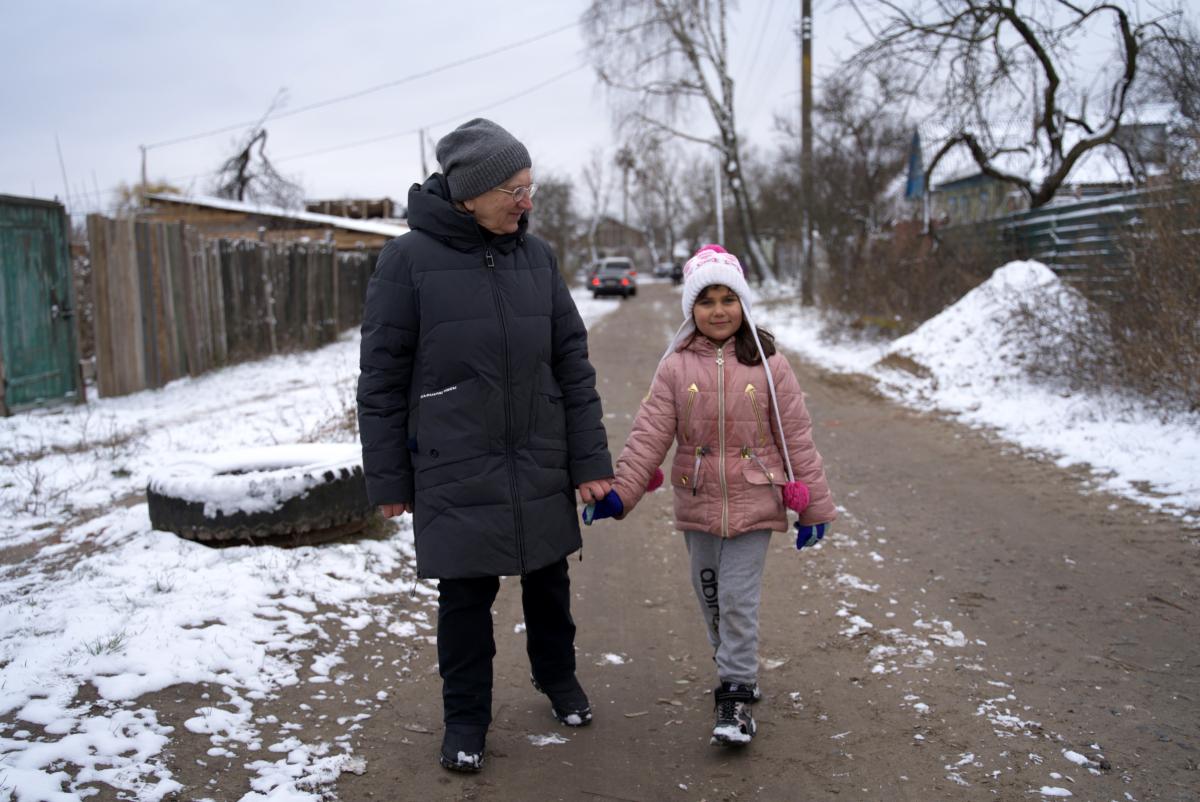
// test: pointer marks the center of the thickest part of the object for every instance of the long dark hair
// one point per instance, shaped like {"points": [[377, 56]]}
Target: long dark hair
{"points": [[744, 347]]}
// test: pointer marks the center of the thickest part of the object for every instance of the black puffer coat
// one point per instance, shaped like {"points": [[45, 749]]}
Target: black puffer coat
{"points": [[476, 400]]}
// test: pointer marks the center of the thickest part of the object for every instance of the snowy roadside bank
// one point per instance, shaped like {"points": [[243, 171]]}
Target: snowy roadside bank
{"points": [[968, 364], [91, 595]]}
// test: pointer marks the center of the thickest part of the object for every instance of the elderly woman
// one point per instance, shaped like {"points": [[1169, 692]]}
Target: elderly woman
{"points": [[479, 415]]}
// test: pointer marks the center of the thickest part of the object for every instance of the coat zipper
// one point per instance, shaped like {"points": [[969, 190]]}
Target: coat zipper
{"points": [[490, 262], [721, 441], [700, 452], [693, 390], [753, 396]]}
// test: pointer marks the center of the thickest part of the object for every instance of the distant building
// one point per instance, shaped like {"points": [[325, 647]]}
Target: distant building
{"points": [[219, 217], [959, 192], [357, 208], [614, 238]]}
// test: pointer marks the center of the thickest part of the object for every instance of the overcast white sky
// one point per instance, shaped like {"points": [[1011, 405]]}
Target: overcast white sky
{"points": [[104, 78]]}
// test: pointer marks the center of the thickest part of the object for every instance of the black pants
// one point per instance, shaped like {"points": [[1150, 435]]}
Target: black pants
{"points": [[466, 645]]}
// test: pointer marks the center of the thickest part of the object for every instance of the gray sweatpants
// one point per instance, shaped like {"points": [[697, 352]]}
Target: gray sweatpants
{"points": [[727, 576]]}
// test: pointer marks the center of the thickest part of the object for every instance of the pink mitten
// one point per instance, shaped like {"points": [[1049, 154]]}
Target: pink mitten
{"points": [[657, 479], [795, 496]]}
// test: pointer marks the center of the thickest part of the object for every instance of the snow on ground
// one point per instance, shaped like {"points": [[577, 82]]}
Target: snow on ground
{"points": [[969, 364], [91, 594]]}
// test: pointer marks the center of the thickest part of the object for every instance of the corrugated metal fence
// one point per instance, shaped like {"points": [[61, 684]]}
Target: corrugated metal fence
{"points": [[1087, 243], [169, 303]]}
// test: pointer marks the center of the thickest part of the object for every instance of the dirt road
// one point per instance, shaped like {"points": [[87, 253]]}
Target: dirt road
{"points": [[979, 627]]}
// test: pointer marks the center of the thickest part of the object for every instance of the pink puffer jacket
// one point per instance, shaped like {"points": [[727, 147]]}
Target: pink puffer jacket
{"points": [[728, 470]]}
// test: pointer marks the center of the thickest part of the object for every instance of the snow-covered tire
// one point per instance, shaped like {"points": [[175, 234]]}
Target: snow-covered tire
{"points": [[301, 493]]}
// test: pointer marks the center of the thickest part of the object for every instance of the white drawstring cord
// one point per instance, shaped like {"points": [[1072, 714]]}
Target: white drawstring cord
{"points": [[787, 461]]}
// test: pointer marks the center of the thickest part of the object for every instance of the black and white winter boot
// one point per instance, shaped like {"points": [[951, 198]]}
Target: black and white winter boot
{"points": [[567, 699], [462, 749], [734, 722]]}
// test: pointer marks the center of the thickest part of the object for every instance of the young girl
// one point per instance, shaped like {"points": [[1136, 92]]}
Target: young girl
{"points": [[742, 428]]}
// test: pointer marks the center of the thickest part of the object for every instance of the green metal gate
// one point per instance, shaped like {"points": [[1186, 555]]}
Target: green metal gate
{"points": [[38, 362]]}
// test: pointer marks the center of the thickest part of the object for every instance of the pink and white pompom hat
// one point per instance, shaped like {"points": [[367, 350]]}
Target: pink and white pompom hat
{"points": [[711, 265]]}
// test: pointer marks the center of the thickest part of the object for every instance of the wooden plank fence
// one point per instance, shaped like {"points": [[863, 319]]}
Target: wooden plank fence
{"points": [[170, 303]]}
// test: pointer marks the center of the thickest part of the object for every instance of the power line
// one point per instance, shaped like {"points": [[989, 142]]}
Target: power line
{"points": [[778, 51], [757, 51], [362, 92], [409, 132], [443, 121]]}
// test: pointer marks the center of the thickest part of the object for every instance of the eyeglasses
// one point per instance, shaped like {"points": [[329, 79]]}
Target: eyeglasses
{"points": [[519, 193]]}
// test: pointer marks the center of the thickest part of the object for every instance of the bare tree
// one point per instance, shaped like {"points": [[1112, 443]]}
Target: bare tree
{"points": [[699, 205], [243, 177], [598, 182], [554, 218], [658, 197], [1172, 74], [661, 56], [1007, 80], [1172, 69], [862, 136]]}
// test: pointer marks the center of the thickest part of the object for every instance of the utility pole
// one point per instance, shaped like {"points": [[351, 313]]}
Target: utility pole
{"points": [[624, 202], [142, 189], [66, 184], [807, 271]]}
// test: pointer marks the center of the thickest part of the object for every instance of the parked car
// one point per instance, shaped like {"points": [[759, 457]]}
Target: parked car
{"points": [[614, 276], [664, 269]]}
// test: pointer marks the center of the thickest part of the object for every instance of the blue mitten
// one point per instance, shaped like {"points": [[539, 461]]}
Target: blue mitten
{"points": [[810, 534], [608, 507]]}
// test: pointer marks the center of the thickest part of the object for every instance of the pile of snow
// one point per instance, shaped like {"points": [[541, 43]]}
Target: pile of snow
{"points": [[979, 340], [971, 361]]}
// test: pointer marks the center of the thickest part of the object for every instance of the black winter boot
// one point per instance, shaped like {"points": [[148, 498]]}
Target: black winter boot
{"points": [[462, 749], [734, 722], [569, 702]]}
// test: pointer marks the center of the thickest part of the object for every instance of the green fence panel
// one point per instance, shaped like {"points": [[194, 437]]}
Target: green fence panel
{"points": [[38, 347]]}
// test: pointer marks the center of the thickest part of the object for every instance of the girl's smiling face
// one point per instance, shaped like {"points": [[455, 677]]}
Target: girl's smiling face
{"points": [[718, 313]]}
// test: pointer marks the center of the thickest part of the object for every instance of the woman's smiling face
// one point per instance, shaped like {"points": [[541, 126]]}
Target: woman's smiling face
{"points": [[718, 313], [497, 211]]}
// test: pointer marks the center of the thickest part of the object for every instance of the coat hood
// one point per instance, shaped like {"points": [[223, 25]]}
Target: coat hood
{"points": [[430, 210]]}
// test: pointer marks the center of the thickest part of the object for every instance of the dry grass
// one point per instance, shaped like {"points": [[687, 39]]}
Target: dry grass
{"points": [[1152, 322], [1141, 338], [895, 283]]}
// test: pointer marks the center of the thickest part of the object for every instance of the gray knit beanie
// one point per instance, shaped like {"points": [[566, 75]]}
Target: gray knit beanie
{"points": [[479, 155]]}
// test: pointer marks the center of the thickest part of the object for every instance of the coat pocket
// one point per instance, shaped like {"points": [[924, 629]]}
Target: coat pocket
{"points": [[757, 470], [548, 422], [762, 493], [451, 424]]}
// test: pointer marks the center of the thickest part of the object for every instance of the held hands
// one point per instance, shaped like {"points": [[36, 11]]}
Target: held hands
{"points": [[608, 507], [611, 506], [591, 492], [810, 534], [393, 510]]}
